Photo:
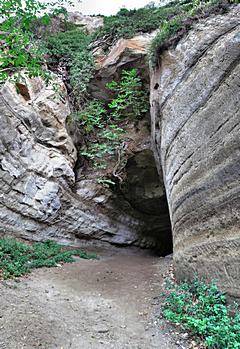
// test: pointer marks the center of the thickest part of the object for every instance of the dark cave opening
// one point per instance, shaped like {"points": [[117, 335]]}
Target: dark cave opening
{"points": [[144, 190]]}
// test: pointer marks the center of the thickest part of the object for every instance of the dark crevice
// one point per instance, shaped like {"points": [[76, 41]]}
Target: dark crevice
{"points": [[23, 91], [145, 193]]}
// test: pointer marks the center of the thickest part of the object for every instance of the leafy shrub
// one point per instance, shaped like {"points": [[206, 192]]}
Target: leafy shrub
{"points": [[201, 308], [80, 73], [129, 101], [63, 46], [105, 145], [92, 116], [17, 258], [18, 49]]}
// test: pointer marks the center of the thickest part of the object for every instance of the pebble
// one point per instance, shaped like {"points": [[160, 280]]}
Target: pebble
{"points": [[101, 329], [184, 335]]}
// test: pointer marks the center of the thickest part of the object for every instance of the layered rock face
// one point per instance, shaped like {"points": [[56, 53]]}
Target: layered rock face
{"points": [[37, 158], [125, 54], [195, 129], [41, 195]]}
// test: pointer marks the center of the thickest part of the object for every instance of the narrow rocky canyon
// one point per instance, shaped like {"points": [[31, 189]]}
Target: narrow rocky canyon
{"points": [[193, 138], [164, 200]]}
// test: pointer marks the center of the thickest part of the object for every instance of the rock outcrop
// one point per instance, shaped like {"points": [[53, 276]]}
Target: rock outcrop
{"points": [[90, 23], [41, 196], [125, 54], [195, 130]]}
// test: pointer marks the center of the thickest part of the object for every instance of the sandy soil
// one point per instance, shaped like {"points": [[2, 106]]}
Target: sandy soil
{"points": [[91, 304]]}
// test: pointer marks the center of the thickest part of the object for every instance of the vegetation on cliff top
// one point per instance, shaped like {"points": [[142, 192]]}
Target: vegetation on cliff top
{"points": [[168, 19], [17, 258], [127, 23], [21, 49], [172, 30]]}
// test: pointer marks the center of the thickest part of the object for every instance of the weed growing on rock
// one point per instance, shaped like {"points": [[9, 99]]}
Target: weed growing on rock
{"points": [[107, 142], [102, 123], [201, 309], [174, 27], [17, 258], [92, 116], [131, 100]]}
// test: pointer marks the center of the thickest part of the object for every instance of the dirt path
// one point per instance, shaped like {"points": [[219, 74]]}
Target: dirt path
{"points": [[106, 303]]}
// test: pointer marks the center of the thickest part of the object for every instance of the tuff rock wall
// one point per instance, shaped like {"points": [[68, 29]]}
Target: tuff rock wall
{"points": [[195, 138], [43, 195], [195, 130]]}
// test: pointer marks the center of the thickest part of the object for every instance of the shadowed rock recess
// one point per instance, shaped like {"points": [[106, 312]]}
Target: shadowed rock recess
{"points": [[195, 129]]}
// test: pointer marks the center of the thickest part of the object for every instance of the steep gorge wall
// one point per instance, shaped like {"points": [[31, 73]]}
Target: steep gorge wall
{"points": [[41, 195], [37, 157], [195, 136], [195, 130]]}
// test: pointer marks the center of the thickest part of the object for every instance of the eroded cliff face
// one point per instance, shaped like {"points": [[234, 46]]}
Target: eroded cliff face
{"points": [[42, 193], [195, 131], [195, 121], [38, 199]]}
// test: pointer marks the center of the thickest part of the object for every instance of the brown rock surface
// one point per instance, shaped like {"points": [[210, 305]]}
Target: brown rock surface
{"points": [[125, 54], [195, 127]]}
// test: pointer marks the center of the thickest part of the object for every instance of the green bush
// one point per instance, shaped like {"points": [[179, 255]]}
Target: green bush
{"points": [[101, 123], [105, 145], [201, 308], [130, 98], [18, 48], [92, 116], [17, 258], [80, 73], [69, 51], [127, 23]]}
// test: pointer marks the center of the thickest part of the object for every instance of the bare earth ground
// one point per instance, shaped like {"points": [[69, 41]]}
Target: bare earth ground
{"points": [[91, 304]]}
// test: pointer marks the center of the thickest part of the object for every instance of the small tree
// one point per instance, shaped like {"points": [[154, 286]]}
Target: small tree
{"points": [[17, 47]]}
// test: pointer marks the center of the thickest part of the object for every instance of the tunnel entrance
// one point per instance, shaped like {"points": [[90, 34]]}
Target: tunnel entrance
{"points": [[145, 192]]}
